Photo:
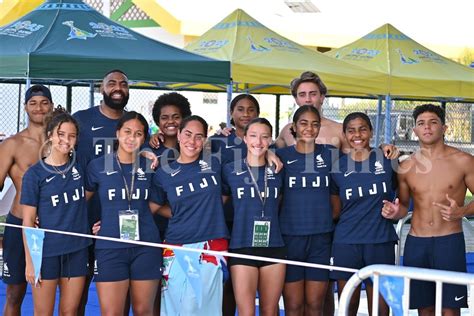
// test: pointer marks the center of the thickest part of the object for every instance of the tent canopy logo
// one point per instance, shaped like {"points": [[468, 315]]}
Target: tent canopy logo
{"points": [[76, 33], [406, 60], [111, 31], [211, 45], [359, 54], [257, 47], [21, 29], [281, 44]]}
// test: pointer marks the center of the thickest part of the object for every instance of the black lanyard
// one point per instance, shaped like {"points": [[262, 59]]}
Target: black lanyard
{"points": [[127, 191], [264, 198]]}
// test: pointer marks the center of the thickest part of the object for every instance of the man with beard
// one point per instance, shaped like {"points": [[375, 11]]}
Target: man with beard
{"points": [[97, 127], [18, 153]]}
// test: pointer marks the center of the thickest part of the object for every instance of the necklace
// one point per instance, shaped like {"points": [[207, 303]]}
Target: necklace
{"points": [[59, 171]]}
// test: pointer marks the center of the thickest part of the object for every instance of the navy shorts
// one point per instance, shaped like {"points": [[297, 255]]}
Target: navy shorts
{"points": [[269, 252], [134, 263], [357, 256], [443, 253], [69, 265], [312, 249], [13, 252]]}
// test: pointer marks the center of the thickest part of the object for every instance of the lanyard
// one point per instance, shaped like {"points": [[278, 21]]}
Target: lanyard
{"points": [[264, 198], [127, 191]]}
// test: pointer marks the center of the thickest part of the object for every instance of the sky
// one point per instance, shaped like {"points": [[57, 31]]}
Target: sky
{"points": [[430, 22]]}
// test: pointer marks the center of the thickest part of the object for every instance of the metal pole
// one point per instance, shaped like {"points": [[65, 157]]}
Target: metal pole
{"points": [[25, 116], [91, 94], [277, 116], [377, 121], [229, 100], [439, 298], [388, 121], [406, 296], [347, 293], [443, 105], [68, 98], [375, 294], [19, 109], [471, 300], [398, 246]]}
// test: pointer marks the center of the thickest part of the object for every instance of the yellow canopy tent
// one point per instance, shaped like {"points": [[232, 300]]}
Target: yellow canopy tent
{"points": [[411, 70], [11, 10], [262, 61]]}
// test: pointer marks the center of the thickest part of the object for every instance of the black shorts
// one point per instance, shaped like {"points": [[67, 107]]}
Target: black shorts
{"points": [[269, 252], [443, 253], [13, 252]]}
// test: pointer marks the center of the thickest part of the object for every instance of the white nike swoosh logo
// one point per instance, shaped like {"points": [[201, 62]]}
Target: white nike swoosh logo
{"points": [[96, 128], [175, 172], [49, 179], [291, 161], [111, 172], [348, 173], [227, 146], [241, 172], [458, 298]]}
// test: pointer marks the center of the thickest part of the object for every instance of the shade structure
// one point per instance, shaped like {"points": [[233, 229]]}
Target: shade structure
{"points": [[11, 10], [266, 62], [410, 69], [70, 40]]}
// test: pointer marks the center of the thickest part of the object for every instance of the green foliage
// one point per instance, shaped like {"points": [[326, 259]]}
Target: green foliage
{"points": [[467, 56]]}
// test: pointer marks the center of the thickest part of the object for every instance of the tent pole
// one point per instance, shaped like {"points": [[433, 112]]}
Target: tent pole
{"points": [[68, 98], [19, 109], [378, 119], [277, 116], [388, 121], [25, 116], [229, 100], [91, 94]]}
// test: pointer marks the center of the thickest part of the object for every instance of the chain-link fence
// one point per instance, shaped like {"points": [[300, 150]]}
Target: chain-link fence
{"points": [[212, 106]]}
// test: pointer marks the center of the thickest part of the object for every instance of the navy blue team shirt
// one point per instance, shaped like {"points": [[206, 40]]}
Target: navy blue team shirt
{"points": [[306, 207], [60, 204], [193, 191], [165, 156], [228, 148], [94, 128], [361, 187], [237, 183], [104, 177], [96, 136]]}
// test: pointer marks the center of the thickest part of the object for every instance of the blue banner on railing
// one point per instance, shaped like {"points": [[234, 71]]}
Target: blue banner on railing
{"points": [[391, 289], [34, 239]]}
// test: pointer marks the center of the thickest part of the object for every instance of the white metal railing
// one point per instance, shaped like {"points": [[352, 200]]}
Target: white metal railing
{"points": [[398, 246], [407, 273]]}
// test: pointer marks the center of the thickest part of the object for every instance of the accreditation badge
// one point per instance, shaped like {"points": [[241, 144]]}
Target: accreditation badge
{"points": [[128, 224], [261, 232]]}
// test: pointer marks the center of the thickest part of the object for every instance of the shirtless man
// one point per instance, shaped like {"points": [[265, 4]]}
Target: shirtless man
{"points": [[309, 89], [436, 177], [18, 153]]}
